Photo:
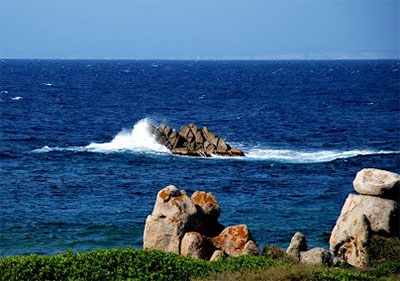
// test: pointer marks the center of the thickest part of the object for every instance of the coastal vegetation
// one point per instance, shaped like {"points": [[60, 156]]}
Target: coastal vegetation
{"points": [[134, 264], [370, 253]]}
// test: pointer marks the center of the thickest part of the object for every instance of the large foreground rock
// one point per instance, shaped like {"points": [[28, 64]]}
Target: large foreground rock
{"points": [[361, 217], [376, 182], [194, 141], [189, 226], [376, 213], [172, 216]]}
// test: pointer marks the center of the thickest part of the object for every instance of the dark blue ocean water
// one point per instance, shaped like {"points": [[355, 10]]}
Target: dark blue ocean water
{"points": [[79, 170]]}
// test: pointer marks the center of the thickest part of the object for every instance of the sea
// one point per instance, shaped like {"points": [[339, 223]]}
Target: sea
{"points": [[80, 170]]}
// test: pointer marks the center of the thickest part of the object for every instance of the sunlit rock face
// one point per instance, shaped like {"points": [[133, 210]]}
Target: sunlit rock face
{"points": [[375, 211], [189, 226]]}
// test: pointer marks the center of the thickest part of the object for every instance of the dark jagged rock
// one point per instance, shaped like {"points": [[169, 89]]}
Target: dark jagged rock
{"points": [[193, 141]]}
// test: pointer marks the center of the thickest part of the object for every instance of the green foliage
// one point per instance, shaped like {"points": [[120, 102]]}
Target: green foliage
{"points": [[383, 250], [297, 272], [388, 268], [274, 252], [115, 264], [135, 265], [119, 264], [342, 275]]}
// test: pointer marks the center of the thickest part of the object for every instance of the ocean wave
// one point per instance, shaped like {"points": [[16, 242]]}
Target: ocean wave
{"points": [[139, 139], [301, 156]]}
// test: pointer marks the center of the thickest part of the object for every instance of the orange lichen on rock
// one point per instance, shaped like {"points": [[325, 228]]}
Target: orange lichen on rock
{"points": [[202, 198], [207, 203], [164, 195], [232, 239], [184, 225]]}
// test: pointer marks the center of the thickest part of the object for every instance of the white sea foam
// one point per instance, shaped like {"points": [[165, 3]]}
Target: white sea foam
{"points": [[47, 148], [43, 149], [17, 98], [138, 139], [299, 156]]}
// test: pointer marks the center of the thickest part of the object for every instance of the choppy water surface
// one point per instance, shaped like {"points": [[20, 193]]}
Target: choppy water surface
{"points": [[80, 170]]}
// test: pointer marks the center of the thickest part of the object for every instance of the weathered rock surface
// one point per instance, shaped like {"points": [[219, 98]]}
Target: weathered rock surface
{"points": [[316, 256], [207, 204], [364, 216], [360, 218], [208, 212], [233, 241], [297, 244], [351, 243], [250, 248], [196, 245], [172, 216], [382, 214], [190, 226], [192, 141], [377, 182], [218, 254], [298, 250]]}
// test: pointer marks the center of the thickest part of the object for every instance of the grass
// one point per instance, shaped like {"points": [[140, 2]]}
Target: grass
{"points": [[132, 264]]}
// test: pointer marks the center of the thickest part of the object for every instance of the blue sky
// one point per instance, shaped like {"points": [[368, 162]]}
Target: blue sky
{"points": [[214, 29]]}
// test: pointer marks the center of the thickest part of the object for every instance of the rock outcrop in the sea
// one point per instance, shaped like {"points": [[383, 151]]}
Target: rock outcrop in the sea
{"points": [[190, 227], [193, 141], [373, 211]]}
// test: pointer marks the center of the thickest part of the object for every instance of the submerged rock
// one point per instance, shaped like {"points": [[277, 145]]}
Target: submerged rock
{"points": [[192, 141]]}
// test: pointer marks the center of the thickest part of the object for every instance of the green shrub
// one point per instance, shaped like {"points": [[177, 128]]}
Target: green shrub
{"points": [[120, 264], [382, 250], [388, 268], [273, 273], [342, 275], [115, 264], [274, 252], [295, 272], [131, 264]]}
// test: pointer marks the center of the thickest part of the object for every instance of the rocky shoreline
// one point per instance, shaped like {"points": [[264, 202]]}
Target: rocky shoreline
{"points": [[189, 225]]}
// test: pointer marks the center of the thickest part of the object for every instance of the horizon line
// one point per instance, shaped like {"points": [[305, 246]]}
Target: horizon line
{"points": [[203, 58], [283, 56]]}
